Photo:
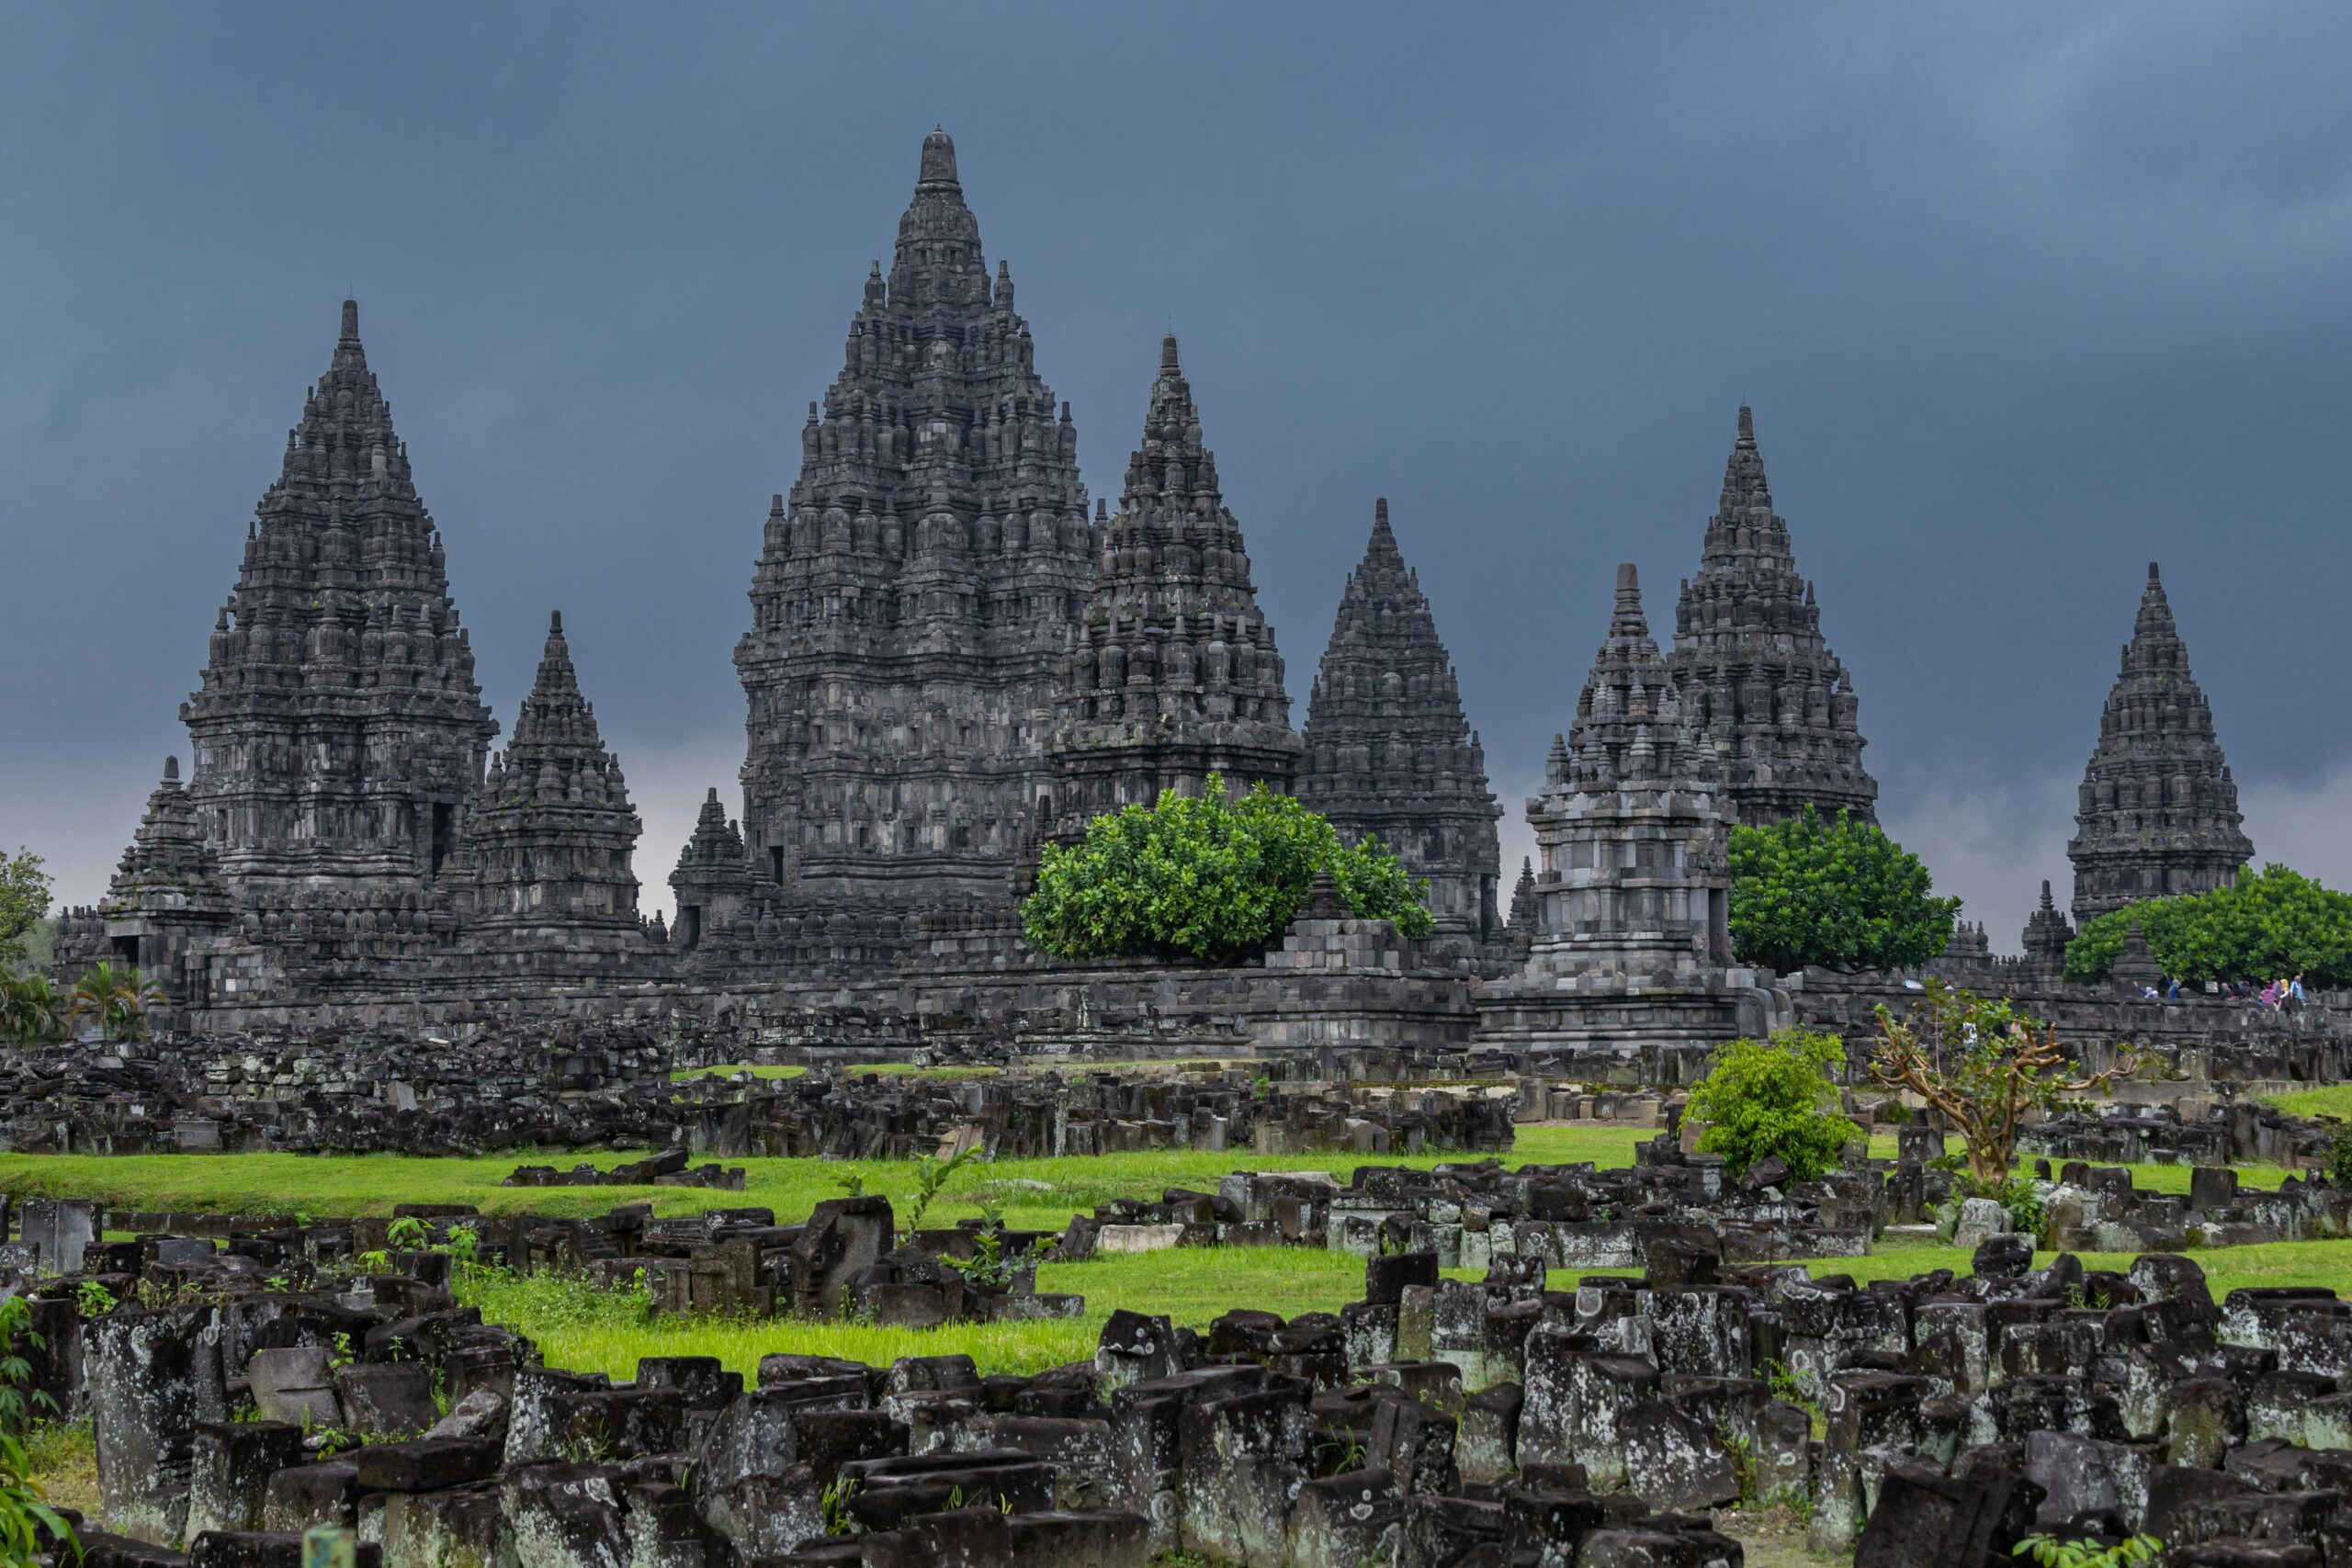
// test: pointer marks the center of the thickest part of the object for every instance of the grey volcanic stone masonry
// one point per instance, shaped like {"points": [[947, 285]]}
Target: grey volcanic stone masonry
{"points": [[1753, 670], [949, 665], [338, 727], [1172, 675], [545, 859], [1434, 1420], [914, 589], [2158, 812], [1388, 752], [1632, 946]]}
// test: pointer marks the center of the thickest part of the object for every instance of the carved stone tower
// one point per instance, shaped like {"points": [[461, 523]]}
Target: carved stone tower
{"points": [[913, 593], [1389, 754], [167, 894], [2047, 933], [1753, 669], [2158, 811], [712, 880], [1173, 673], [338, 727], [551, 832], [1631, 944]]}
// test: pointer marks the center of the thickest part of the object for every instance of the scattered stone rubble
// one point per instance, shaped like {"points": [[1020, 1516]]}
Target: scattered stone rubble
{"points": [[667, 1169], [2192, 1132], [1928, 1423], [1028, 1117], [610, 1087], [1470, 1216], [2098, 1209]]}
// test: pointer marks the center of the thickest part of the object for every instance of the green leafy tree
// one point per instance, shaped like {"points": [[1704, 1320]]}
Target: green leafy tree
{"points": [[1774, 1099], [1981, 1065], [24, 904], [2265, 925], [31, 1010], [1838, 893], [1205, 878]]}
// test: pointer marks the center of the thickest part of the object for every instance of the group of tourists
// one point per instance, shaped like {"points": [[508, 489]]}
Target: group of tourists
{"points": [[2279, 995]]}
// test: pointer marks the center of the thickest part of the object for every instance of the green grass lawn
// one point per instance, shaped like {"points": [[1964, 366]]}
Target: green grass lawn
{"points": [[344, 1185], [590, 1330], [586, 1329], [2154, 1178], [372, 1184], [2333, 1099]]}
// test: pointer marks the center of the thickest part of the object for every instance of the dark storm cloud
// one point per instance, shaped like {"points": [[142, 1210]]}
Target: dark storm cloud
{"points": [[2023, 297]]}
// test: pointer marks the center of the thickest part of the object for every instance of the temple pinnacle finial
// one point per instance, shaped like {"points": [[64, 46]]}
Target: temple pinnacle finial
{"points": [[2152, 572], [1380, 512], [351, 319], [1747, 427], [1629, 587], [555, 623], [1168, 354], [172, 769], [938, 166]]}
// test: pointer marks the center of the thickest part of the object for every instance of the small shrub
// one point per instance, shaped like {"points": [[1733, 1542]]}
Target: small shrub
{"points": [[1768, 1098], [2048, 1551], [2339, 1157], [26, 1521], [931, 1178], [2021, 1196], [1205, 878]]}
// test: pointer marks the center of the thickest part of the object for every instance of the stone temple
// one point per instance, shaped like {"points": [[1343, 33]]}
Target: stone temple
{"points": [[1754, 672], [1390, 754], [951, 664], [2158, 811], [916, 590], [1171, 675], [338, 728], [1631, 944]]}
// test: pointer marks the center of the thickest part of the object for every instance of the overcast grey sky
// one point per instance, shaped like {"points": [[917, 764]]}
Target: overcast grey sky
{"points": [[2023, 297]]}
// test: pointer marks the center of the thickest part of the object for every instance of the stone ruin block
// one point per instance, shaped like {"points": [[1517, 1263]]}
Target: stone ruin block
{"points": [[386, 1399], [842, 1237], [59, 1230], [231, 1465]]}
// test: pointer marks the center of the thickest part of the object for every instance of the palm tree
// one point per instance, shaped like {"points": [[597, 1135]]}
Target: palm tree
{"points": [[144, 996], [97, 994], [118, 998], [31, 1010]]}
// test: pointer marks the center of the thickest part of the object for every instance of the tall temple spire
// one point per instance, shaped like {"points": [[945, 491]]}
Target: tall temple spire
{"points": [[1753, 668], [338, 726], [1172, 674], [550, 834], [2157, 813], [915, 589], [1389, 752]]}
